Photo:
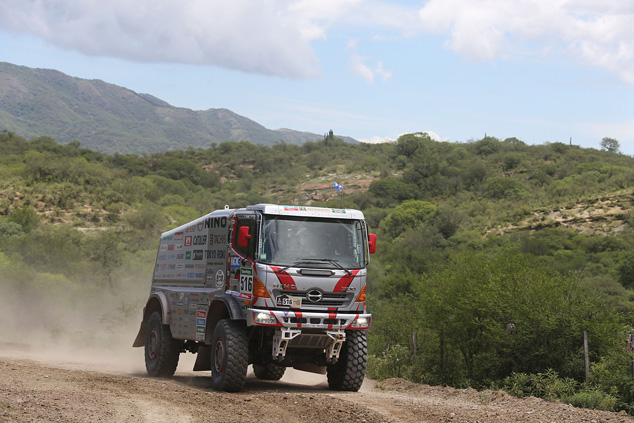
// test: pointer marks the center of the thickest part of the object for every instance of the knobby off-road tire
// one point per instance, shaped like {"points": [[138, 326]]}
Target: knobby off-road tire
{"points": [[229, 355], [161, 350], [269, 371], [348, 373]]}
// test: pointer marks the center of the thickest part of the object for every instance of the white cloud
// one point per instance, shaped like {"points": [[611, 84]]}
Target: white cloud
{"points": [[260, 37], [360, 68], [377, 140], [595, 32]]}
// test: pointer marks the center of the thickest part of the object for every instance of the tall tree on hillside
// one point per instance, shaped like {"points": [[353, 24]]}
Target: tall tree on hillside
{"points": [[610, 145]]}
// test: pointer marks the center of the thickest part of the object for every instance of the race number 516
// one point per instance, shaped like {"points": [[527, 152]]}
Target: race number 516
{"points": [[246, 283]]}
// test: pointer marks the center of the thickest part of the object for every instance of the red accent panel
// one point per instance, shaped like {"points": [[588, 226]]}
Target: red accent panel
{"points": [[345, 281], [332, 308], [285, 279], [332, 315]]}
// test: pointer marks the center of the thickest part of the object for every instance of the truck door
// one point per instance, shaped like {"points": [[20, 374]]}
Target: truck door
{"points": [[243, 249]]}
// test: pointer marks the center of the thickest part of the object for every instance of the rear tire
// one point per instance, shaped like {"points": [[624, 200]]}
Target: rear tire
{"points": [[229, 355], [269, 371], [161, 350], [348, 373]]}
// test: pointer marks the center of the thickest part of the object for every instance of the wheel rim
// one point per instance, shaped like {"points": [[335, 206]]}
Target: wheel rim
{"points": [[153, 345], [219, 361]]}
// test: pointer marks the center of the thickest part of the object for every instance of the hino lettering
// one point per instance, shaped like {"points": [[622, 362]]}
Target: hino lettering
{"points": [[282, 286]]}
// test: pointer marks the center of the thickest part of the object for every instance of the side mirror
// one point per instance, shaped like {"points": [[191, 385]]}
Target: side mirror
{"points": [[243, 236], [372, 243]]}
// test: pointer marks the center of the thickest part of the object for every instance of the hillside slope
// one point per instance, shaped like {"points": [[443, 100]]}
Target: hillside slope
{"points": [[113, 119]]}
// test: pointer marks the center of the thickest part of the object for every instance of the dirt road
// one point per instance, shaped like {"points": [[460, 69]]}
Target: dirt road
{"points": [[42, 386]]}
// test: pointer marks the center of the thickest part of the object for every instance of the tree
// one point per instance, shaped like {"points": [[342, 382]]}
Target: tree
{"points": [[410, 214], [610, 145]]}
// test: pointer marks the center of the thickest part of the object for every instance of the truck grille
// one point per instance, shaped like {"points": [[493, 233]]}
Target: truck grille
{"points": [[329, 299]]}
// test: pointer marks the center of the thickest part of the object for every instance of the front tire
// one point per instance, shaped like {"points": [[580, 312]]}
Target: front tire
{"points": [[229, 355], [161, 350], [269, 371], [348, 373]]}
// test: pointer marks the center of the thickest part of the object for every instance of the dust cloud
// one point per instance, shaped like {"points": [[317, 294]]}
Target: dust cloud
{"points": [[72, 324]]}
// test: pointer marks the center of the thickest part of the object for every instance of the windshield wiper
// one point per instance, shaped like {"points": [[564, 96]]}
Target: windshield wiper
{"points": [[296, 263], [327, 260]]}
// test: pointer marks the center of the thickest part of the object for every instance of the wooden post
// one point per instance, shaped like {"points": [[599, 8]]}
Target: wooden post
{"points": [[414, 341], [586, 355]]}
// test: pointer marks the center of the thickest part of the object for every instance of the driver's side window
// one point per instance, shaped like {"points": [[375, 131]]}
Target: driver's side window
{"points": [[247, 251]]}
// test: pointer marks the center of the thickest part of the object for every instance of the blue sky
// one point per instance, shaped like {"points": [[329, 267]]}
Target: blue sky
{"points": [[539, 70]]}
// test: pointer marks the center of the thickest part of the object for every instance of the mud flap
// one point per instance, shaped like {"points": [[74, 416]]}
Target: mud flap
{"points": [[203, 358]]}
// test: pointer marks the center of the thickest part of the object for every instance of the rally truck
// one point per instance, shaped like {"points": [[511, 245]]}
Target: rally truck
{"points": [[269, 285]]}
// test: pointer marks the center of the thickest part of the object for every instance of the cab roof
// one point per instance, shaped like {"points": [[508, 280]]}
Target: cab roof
{"points": [[282, 210]]}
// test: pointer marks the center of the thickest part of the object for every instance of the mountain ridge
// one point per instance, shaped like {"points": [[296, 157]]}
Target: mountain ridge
{"points": [[113, 119]]}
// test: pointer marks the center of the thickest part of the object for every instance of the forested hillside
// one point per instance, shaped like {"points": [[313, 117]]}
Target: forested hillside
{"points": [[494, 256]]}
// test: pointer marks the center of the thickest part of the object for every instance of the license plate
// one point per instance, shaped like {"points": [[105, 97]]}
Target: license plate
{"points": [[286, 301]]}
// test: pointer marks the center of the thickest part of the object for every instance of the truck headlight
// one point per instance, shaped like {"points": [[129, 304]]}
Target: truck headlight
{"points": [[360, 322], [262, 318]]}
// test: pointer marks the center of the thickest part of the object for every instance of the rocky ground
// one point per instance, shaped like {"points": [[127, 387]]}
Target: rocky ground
{"points": [[41, 386]]}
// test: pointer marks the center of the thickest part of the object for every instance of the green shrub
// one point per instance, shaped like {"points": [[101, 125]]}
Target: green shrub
{"points": [[595, 399]]}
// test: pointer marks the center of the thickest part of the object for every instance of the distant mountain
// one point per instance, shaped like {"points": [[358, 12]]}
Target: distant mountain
{"points": [[111, 119]]}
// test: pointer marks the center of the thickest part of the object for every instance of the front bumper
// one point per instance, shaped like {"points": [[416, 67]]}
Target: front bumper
{"points": [[308, 320]]}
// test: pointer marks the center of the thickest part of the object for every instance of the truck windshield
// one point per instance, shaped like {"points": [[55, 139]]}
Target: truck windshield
{"points": [[313, 242]]}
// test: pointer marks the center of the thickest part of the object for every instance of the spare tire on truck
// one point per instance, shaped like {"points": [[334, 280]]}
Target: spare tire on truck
{"points": [[269, 371]]}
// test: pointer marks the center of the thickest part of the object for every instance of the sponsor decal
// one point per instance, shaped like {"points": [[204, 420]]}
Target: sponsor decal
{"points": [[202, 314], [163, 247], [197, 255], [217, 239], [188, 255], [199, 266], [189, 266], [179, 311], [178, 236], [167, 238], [216, 222], [161, 257], [200, 322], [171, 257], [180, 266], [199, 240], [200, 225], [179, 247], [220, 278], [215, 254], [245, 296], [180, 256], [190, 275], [190, 229], [163, 266], [188, 241], [200, 329], [235, 262], [200, 275], [170, 247], [200, 337], [171, 267], [291, 208]]}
